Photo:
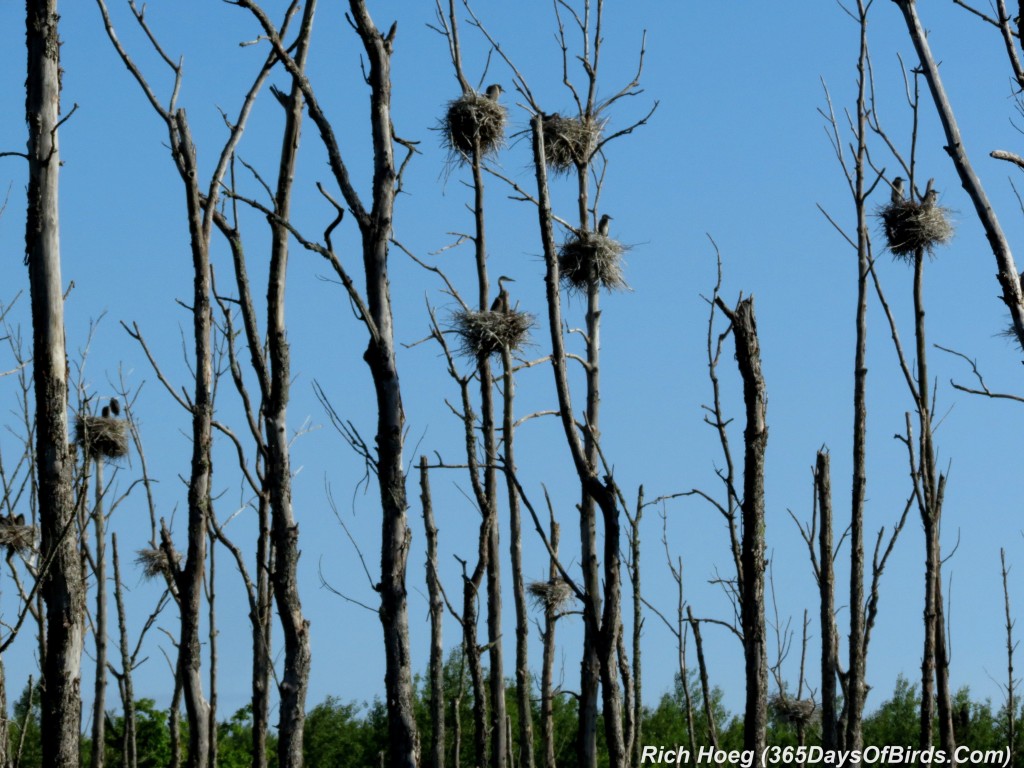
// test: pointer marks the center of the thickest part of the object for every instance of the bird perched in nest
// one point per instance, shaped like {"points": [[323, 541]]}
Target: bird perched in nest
{"points": [[105, 413], [500, 303], [602, 225], [897, 190], [929, 199], [20, 519], [115, 406], [493, 91]]}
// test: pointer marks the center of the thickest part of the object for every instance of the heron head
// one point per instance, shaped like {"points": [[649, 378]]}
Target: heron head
{"points": [[505, 279]]}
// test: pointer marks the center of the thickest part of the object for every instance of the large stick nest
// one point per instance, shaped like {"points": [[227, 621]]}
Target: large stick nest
{"points": [[153, 563], [582, 251], [795, 711], [102, 436], [911, 226], [470, 119], [483, 333], [15, 535], [551, 594], [568, 141]]}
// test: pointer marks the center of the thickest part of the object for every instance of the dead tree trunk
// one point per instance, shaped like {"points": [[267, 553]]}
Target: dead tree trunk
{"points": [[63, 591], [752, 558], [551, 614], [604, 623], [99, 705], [523, 705], [436, 599], [284, 530], [1006, 269], [826, 592], [129, 758]]}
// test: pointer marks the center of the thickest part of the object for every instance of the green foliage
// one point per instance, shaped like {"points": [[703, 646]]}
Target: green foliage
{"points": [[23, 731]]}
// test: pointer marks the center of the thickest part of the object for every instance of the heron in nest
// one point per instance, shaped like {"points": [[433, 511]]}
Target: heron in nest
{"points": [[602, 226], [897, 190], [501, 303], [493, 91], [115, 406], [929, 198]]}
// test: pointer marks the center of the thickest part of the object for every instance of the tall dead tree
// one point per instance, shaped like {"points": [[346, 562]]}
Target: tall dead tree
{"points": [[375, 228], [63, 590], [752, 552], [200, 212], [603, 621], [1006, 269]]}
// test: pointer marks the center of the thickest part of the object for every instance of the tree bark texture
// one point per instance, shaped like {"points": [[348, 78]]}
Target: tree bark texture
{"points": [[294, 680], [752, 557], [826, 592], [436, 600], [63, 591], [99, 704]]}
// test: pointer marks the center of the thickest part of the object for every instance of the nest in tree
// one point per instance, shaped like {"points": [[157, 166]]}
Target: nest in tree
{"points": [[911, 226], [16, 536], [153, 563], [795, 711], [587, 250], [483, 333], [473, 120], [568, 141], [102, 436], [551, 594]]}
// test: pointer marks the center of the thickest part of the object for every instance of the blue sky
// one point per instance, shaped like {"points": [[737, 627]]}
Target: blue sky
{"points": [[736, 151]]}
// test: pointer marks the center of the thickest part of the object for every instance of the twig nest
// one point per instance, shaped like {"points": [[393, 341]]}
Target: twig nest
{"points": [[587, 250], [470, 119], [15, 535], [483, 333], [568, 141], [911, 226], [153, 563], [102, 436], [795, 711], [551, 594]]}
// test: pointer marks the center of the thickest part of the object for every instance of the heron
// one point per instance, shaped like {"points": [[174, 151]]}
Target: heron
{"points": [[501, 303], [105, 412], [897, 190], [20, 519], [493, 91], [602, 226], [115, 406], [929, 198]]}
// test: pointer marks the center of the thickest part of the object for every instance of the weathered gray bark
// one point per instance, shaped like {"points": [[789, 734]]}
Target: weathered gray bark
{"points": [[523, 706], [551, 612], [63, 591], [752, 558], [211, 633], [436, 600], [285, 532], [99, 704], [826, 592], [705, 685], [129, 753], [634, 574]]}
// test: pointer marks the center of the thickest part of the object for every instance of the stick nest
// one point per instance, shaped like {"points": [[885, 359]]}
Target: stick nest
{"points": [[568, 141], [795, 711], [102, 436], [551, 594], [580, 251], [472, 118], [483, 333], [153, 563], [16, 536], [910, 226]]}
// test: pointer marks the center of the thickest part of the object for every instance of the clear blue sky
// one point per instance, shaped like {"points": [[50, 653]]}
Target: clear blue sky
{"points": [[736, 151]]}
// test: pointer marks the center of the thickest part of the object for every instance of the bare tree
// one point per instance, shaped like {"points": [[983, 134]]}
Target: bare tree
{"points": [[375, 227], [63, 590]]}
